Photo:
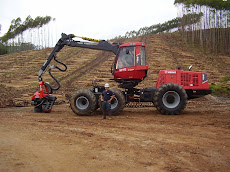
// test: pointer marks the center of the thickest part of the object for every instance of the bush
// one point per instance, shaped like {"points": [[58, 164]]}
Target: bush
{"points": [[219, 90], [3, 50]]}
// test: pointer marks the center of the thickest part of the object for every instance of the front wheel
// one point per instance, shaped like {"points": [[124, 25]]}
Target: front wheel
{"points": [[170, 99], [83, 102]]}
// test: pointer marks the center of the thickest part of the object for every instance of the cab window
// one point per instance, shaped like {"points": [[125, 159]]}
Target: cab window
{"points": [[141, 57], [126, 57]]}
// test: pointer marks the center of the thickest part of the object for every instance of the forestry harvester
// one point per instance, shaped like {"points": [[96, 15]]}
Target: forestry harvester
{"points": [[169, 96]]}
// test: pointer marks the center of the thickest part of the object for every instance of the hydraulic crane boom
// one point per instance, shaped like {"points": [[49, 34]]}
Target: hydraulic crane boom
{"points": [[66, 40]]}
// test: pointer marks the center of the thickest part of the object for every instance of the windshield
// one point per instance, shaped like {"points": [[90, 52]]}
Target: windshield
{"points": [[126, 57]]}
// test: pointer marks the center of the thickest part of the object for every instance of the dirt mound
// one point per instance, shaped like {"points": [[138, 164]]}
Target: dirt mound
{"points": [[11, 97]]}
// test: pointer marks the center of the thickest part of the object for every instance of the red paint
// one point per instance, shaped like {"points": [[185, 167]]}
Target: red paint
{"points": [[41, 92], [136, 71], [187, 79]]}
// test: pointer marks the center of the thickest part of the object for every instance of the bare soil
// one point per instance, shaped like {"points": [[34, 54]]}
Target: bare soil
{"points": [[140, 139]]}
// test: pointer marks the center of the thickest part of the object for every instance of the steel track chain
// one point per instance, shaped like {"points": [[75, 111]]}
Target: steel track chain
{"points": [[139, 104]]}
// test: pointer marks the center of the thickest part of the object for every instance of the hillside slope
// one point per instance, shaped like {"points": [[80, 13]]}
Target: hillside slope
{"points": [[19, 71]]}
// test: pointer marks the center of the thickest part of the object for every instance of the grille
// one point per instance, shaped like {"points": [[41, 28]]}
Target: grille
{"points": [[187, 79]]}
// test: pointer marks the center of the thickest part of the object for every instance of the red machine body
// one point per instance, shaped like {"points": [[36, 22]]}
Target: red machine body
{"points": [[187, 79], [42, 99], [41, 93], [194, 83]]}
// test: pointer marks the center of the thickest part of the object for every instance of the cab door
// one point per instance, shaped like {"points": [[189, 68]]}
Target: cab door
{"points": [[125, 63]]}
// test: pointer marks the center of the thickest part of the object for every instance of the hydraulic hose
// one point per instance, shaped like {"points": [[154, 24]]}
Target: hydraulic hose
{"points": [[63, 70], [58, 83]]}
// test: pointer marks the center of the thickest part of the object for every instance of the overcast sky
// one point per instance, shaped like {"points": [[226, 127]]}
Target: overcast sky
{"points": [[99, 19]]}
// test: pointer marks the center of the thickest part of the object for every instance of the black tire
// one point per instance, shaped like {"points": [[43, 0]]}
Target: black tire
{"points": [[117, 104], [83, 102], [97, 105], [170, 99]]}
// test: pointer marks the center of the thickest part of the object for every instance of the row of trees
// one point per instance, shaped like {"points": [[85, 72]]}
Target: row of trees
{"points": [[202, 22], [157, 28], [212, 32], [26, 35], [164, 27], [3, 49], [216, 4]]}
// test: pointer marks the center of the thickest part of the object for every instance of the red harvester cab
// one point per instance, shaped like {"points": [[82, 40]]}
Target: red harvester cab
{"points": [[130, 64]]}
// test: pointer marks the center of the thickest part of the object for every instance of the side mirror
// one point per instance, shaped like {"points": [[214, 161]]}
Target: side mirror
{"points": [[127, 51], [112, 68]]}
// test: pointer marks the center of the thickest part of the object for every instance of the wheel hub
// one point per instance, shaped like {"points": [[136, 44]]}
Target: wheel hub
{"points": [[171, 99], [114, 103], [82, 102]]}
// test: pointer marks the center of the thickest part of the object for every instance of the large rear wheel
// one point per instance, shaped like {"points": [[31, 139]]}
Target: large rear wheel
{"points": [[170, 99], [83, 102], [118, 102]]}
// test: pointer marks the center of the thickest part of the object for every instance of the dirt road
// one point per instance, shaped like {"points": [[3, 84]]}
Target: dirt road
{"points": [[140, 139]]}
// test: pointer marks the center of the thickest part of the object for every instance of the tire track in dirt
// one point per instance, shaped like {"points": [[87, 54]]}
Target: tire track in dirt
{"points": [[70, 54], [79, 72]]}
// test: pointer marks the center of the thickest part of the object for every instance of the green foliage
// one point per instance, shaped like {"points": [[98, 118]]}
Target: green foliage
{"points": [[219, 90], [21, 47], [223, 88], [217, 4], [3, 49], [164, 27], [157, 28], [190, 18], [225, 79], [17, 27]]}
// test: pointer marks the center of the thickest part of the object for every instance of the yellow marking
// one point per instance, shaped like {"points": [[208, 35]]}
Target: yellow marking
{"points": [[90, 39]]}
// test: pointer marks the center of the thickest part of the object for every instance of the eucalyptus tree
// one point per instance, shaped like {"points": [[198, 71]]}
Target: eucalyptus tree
{"points": [[184, 22], [16, 32], [212, 33]]}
